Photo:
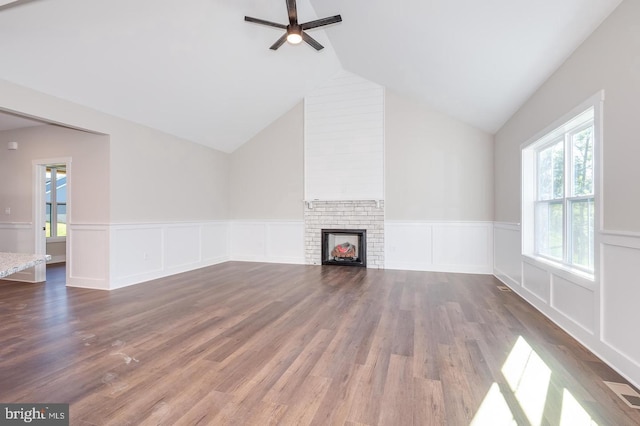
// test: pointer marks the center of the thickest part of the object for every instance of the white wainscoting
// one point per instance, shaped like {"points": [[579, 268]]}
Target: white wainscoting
{"points": [[143, 252], [620, 295], [268, 241], [87, 260], [601, 314], [439, 246], [506, 253], [57, 249], [88, 256]]}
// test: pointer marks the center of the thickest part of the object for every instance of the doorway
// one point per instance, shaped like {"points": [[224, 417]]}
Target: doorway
{"points": [[52, 215]]}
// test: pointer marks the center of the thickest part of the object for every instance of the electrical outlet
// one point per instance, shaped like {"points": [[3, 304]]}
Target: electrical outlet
{"points": [[7, 210]]}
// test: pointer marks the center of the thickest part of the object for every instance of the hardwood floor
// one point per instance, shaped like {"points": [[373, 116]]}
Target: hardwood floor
{"points": [[256, 344]]}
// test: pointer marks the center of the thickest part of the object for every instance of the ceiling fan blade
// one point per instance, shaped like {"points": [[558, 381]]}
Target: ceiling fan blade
{"points": [[279, 43], [6, 4], [311, 41], [293, 12], [321, 22], [262, 22]]}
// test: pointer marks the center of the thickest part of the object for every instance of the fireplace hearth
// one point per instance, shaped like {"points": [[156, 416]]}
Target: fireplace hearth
{"points": [[344, 247]]}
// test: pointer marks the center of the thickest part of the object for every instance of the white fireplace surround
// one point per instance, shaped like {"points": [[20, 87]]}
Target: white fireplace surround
{"points": [[356, 214]]}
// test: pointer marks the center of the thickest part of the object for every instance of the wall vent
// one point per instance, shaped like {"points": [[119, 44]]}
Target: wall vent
{"points": [[503, 288], [626, 393]]}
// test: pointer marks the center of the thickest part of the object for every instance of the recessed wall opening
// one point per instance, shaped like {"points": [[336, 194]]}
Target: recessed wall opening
{"points": [[344, 247]]}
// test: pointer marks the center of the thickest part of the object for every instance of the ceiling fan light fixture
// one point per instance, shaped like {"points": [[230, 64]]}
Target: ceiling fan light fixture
{"points": [[294, 36]]}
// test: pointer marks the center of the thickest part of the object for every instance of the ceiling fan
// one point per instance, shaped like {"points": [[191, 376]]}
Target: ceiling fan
{"points": [[295, 32]]}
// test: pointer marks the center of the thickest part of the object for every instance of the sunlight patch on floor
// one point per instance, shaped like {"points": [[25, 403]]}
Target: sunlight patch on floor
{"points": [[572, 412], [494, 410], [528, 378]]}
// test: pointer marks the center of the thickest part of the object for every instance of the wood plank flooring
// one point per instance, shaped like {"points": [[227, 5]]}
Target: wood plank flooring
{"points": [[258, 344]]}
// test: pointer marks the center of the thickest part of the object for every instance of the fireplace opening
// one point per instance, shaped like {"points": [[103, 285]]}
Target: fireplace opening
{"points": [[345, 247]]}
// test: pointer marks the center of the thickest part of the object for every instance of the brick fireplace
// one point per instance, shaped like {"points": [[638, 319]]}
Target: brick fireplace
{"points": [[340, 215]]}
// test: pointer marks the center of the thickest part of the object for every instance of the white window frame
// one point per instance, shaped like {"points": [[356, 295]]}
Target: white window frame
{"points": [[562, 129]]}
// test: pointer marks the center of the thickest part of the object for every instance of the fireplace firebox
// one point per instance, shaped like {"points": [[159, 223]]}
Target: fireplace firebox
{"points": [[344, 247]]}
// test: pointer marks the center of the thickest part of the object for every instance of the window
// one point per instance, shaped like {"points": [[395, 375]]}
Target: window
{"points": [[559, 193], [56, 202]]}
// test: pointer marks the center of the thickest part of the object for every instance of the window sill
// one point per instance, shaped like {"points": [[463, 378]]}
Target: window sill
{"points": [[56, 239], [576, 276]]}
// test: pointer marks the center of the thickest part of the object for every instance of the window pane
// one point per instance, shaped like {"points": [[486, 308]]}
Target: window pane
{"points": [[548, 229], [61, 186], [582, 233], [47, 189], [551, 172], [62, 220], [47, 216], [582, 150]]}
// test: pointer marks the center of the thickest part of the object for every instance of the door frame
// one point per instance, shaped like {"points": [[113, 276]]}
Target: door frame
{"points": [[39, 216]]}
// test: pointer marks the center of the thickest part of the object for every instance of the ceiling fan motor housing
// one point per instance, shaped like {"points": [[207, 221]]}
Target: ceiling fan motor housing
{"points": [[295, 32]]}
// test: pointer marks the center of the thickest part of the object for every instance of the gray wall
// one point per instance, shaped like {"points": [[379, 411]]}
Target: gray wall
{"points": [[436, 168], [266, 173], [159, 178]]}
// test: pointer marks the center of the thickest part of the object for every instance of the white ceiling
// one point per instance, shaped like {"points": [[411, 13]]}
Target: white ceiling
{"points": [[12, 122], [196, 70]]}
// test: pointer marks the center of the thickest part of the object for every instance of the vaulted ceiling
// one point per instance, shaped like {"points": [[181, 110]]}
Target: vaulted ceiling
{"points": [[196, 70]]}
